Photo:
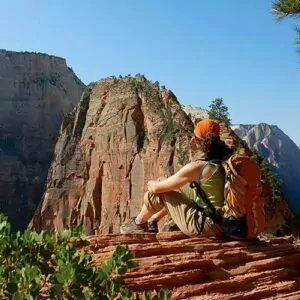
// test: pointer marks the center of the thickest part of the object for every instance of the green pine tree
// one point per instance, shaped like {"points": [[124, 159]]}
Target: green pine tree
{"points": [[288, 8], [219, 111], [285, 8]]}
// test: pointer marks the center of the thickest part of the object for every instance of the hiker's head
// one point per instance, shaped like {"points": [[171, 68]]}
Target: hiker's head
{"points": [[206, 128], [207, 140], [205, 132]]}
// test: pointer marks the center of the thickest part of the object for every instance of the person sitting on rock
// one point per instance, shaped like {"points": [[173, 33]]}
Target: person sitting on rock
{"points": [[173, 194]]}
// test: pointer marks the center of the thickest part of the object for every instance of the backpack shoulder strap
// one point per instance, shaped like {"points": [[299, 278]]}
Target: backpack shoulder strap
{"points": [[204, 166]]}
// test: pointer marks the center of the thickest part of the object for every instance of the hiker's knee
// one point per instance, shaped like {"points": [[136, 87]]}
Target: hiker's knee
{"points": [[150, 198], [153, 202]]}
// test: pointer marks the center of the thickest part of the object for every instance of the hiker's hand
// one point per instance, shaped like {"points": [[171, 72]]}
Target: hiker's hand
{"points": [[151, 186]]}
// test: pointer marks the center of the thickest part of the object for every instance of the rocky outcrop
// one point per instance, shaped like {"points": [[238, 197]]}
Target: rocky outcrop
{"points": [[280, 151], [207, 268], [122, 133], [36, 90]]}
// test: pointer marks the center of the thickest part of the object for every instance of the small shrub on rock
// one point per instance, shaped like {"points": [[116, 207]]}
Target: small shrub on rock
{"points": [[47, 265]]}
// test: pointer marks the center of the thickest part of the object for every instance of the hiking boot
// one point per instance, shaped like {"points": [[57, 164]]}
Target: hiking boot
{"points": [[153, 227], [132, 227]]}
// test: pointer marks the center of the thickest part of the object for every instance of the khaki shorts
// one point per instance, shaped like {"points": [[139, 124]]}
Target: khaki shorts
{"points": [[182, 210]]}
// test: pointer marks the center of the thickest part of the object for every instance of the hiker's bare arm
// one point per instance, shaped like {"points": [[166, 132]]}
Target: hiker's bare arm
{"points": [[186, 174]]}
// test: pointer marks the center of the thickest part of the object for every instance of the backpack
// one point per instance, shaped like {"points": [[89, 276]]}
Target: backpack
{"points": [[242, 216]]}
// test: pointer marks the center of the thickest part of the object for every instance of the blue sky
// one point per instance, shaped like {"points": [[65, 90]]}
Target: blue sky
{"points": [[199, 49]]}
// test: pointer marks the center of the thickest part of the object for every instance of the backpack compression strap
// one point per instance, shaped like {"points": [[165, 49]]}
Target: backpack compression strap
{"points": [[212, 210]]}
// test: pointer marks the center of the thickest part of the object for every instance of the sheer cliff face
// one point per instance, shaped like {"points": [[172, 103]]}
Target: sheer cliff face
{"points": [[123, 133], [36, 90], [280, 151]]}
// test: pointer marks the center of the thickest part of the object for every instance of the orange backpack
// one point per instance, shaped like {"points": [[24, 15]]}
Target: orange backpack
{"points": [[242, 216], [243, 211]]}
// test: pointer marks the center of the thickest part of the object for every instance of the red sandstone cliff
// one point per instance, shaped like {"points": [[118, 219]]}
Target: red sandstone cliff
{"points": [[122, 133]]}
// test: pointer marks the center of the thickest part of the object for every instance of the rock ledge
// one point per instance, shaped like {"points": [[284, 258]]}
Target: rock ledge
{"points": [[208, 268]]}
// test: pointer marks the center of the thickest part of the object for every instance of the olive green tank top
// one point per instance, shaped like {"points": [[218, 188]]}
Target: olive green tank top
{"points": [[213, 187]]}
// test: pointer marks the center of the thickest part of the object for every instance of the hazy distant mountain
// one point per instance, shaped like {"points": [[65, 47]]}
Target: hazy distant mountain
{"points": [[195, 112], [280, 151]]}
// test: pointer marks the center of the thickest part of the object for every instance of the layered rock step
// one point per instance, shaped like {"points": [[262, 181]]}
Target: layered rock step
{"points": [[207, 268]]}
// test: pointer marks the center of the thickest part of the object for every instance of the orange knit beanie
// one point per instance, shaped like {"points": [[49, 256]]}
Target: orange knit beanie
{"points": [[205, 128]]}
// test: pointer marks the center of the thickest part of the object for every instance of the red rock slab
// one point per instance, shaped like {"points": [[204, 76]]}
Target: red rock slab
{"points": [[207, 268]]}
